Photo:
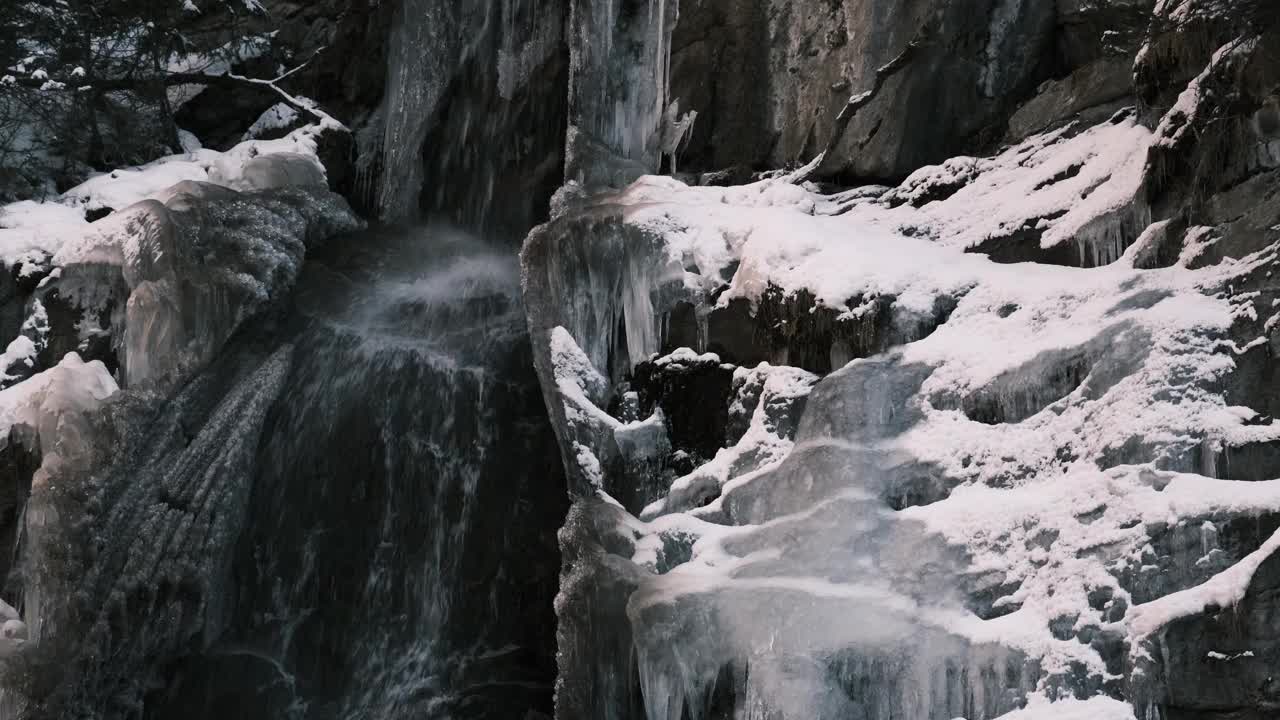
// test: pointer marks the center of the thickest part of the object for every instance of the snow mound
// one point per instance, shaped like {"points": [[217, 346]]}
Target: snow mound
{"points": [[55, 407], [30, 228]]}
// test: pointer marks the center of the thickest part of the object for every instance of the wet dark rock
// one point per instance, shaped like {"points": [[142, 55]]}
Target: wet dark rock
{"points": [[1250, 461], [736, 175], [12, 304], [1017, 397], [1210, 144], [1182, 40], [1192, 551], [86, 329], [97, 214], [795, 329], [1219, 665], [969, 75], [693, 393], [17, 286], [1022, 244], [1090, 94], [18, 463], [1091, 31], [596, 581], [221, 115]]}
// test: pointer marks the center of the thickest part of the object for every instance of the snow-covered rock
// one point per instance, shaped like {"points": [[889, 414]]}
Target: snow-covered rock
{"points": [[1012, 476]]}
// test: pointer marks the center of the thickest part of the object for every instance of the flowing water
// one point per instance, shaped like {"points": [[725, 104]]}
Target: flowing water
{"points": [[400, 557]]}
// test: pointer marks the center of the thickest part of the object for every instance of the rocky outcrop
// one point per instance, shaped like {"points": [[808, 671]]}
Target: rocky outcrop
{"points": [[166, 285], [989, 70], [1062, 478]]}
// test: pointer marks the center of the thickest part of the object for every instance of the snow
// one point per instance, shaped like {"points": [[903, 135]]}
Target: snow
{"points": [[280, 115], [29, 229], [1098, 708], [1064, 183], [57, 405], [686, 356], [119, 189], [233, 168], [1039, 378], [1215, 655], [13, 632], [578, 380], [19, 355]]}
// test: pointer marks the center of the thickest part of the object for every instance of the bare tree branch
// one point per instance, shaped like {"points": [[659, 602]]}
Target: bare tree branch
{"points": [[186, 78]]}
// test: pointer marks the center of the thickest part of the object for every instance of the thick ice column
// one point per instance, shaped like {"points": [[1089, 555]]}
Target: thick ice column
{"points": [[618, 88], [425, 48]]}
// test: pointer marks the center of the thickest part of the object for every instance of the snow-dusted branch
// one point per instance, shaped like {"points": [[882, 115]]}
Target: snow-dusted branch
{"points": [[302, 103]]}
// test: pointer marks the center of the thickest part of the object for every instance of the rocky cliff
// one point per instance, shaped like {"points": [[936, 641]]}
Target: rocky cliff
{"points": [[900, 359], [992, 438]]}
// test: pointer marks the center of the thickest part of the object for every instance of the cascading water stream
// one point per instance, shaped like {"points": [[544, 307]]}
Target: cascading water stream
{"points": [[400, 554], [347, 510]]}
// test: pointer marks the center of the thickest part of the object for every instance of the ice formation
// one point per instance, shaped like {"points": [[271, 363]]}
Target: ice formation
{"points": [[990, 512], [985, 444], [158, 287]]}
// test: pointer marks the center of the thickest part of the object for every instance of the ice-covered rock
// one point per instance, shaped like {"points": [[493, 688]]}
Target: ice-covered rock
{"points": [[53, 411], [173, 280], [165, 510], [1006, 473], [619, 92], [471, 120], [155, 493]]}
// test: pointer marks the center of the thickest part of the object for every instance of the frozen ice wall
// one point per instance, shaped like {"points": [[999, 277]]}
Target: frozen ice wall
{"points": [[425, 50], [618, 89], [479, 95], [471, 127]]}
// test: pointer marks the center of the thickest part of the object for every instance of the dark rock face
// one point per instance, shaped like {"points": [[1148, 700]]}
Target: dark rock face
{"points": [[693, 393], [994, 69], [343, 45], [1215, 165], [796, 65], [1219, 665], [475, 94]]}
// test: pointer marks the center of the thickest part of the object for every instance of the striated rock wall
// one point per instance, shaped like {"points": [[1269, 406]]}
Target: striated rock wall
{"points": [[795, 65]]}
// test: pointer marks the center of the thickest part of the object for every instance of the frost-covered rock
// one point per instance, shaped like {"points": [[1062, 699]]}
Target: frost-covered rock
{"points": [[52, 412], [619, 95], [1020, 465], [159, 285]]}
